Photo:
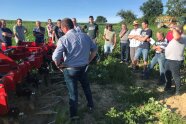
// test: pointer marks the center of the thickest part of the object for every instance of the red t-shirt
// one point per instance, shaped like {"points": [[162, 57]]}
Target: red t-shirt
{"points": [[169, 36]]}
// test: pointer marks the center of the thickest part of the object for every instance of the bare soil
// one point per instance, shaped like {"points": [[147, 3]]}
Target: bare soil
{"points": [[49, 105]]}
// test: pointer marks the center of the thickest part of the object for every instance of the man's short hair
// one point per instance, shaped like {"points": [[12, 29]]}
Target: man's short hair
{"points": [[123, 23], [91, 17], [19, 19], [110, 25], [2, 20], [38, 22], [67, 22], [59, 20], [161, 32], [146, 21]]}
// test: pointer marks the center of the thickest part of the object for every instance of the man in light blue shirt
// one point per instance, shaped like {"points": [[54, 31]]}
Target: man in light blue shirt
{"points": [[78, 51]]}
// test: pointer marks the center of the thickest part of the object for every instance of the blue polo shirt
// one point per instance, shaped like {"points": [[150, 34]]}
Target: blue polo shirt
{"points": [[75, 47]]}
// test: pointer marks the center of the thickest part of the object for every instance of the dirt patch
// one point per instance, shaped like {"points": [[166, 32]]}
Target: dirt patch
{"points": [[177, 104]]}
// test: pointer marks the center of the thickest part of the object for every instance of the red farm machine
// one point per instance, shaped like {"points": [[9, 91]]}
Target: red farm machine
{"points": [[16, 63]]}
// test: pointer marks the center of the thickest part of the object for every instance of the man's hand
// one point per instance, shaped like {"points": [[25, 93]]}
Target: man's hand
{"points": [[114, 46], [154, 47], [106, 39]]}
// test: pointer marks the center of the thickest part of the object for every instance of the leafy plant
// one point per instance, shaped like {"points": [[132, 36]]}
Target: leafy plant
{"points": [[151, 112]]}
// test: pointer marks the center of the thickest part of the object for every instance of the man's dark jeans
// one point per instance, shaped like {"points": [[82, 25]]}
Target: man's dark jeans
{"points": [[172, 69], [72, 76], [125, 51]]}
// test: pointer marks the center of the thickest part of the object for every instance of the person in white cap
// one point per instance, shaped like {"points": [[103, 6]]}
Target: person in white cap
{"points": [[134, 43]]}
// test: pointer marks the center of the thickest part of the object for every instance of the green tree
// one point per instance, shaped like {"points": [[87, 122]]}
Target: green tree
{"points": [[127, 15], [176, 7], [151, 9], [101, 19]]}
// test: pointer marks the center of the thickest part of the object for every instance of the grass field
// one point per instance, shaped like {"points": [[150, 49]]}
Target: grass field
{"points": [[120, 96]]}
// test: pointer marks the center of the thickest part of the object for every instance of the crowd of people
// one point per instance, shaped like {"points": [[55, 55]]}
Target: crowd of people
{"points": [[169, 52], [78, 46]]}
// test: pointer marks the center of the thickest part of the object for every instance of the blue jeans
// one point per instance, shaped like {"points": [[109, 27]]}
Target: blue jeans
{"points": [[142, 51], [172, 69], [160, 59], [72, 76], [108, 48], [124, 51]]}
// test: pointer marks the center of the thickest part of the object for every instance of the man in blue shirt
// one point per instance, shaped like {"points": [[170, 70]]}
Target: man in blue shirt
{"points": [[144, 47], [78, 51]]}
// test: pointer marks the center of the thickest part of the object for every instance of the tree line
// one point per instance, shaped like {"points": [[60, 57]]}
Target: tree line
{"points": [[151, 9]]}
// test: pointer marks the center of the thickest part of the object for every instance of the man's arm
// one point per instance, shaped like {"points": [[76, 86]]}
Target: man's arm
{"points": [[105, 38], [176, 34], [25, 30], [115, 39], [121, 34], [15, 33], [1, 41], [7, 34], [58, 53], [92, 55], [131, 36], [53, 35], [143, 38]]}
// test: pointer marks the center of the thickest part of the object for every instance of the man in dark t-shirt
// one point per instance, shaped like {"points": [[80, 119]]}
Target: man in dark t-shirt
{"points": [[92, 29], [7, 34], [144, 47], [39, 33], [57, 32]]}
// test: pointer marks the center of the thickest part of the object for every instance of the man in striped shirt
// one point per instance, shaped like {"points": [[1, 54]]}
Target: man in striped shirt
{"points": [[159, 57]]}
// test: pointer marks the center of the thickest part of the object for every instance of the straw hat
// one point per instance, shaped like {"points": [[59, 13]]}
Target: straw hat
{"points": [[184, 29], [135, 23]]}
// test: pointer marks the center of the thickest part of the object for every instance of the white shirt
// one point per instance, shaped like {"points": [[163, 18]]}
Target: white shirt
{"points": [[133, 42], [175, 49], [77, 28]]}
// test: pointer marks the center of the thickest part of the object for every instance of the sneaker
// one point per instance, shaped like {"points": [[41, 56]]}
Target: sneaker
{"points": [[90, 109], [177, 93], [121, 62]]}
